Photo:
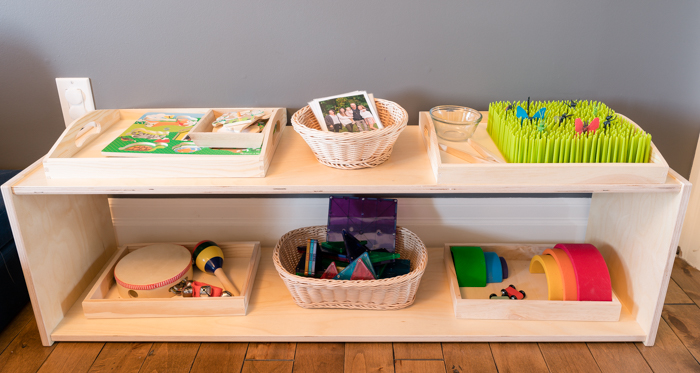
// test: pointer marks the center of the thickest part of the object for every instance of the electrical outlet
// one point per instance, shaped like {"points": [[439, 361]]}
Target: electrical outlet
{"points": [[76, 97]]}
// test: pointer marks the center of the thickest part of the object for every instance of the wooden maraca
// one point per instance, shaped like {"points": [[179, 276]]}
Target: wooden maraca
{"points": [[209, 258]]}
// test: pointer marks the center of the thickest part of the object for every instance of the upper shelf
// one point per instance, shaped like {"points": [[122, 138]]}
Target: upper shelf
{"points": [[295, 170]]}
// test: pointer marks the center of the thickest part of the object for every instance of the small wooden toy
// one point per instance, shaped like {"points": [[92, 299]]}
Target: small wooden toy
{"points": [[504, 267], [209, 258], [151, 271], [494, 296], [187, 147], [591, 271], [237, 121], [568, 275], [494, 272], [470, 266], [546, 264], [513, 293], [252, 129]]}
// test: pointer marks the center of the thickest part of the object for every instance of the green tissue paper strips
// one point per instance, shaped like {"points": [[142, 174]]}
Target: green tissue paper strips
{"points": [[555, 140]]}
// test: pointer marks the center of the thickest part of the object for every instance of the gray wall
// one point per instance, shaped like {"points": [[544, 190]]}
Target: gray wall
{"points": [[642, 58]]}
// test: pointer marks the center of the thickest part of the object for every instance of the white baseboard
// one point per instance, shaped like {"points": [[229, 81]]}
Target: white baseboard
{"points": [[435, 220]]}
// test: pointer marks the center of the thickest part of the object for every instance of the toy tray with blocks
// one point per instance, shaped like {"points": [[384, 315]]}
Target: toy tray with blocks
{"points": [[478, 302]]}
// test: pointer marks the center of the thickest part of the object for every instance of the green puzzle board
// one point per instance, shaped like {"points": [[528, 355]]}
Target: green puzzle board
{"points": [[165, 133]]}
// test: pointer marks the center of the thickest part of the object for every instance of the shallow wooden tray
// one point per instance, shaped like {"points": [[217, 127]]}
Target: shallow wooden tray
{"points": [[78, 152], [202, 134], [240, 264], [449, 169], [474, 303]]}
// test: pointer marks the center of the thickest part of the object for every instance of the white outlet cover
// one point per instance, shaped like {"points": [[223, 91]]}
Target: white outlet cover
{"points": [[76, 98]]}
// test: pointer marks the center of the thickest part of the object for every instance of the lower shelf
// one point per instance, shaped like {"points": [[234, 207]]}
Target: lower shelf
{"points": [[273, 317]]}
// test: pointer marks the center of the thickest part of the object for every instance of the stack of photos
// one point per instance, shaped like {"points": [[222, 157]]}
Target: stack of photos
{"points": [[349, 112]]}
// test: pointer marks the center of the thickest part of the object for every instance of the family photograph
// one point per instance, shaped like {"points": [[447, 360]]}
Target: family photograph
{"points": [[348, 114]]}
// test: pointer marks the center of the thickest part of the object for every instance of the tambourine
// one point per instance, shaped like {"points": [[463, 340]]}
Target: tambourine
{"points": [[150, 271]]}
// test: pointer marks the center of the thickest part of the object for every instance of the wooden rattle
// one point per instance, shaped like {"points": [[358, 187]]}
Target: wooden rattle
{"points": [[209, 258]]}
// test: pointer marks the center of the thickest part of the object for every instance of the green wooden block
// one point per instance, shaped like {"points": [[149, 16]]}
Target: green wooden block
{"points": [[470, 266]]}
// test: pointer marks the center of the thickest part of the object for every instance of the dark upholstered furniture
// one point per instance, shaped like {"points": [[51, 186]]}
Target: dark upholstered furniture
{"points": [[13, 296]]}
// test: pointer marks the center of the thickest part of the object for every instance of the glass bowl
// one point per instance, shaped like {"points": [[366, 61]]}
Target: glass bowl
{"points": [[455, 123]]}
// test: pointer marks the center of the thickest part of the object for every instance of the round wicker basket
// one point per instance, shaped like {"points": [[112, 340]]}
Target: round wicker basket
{"points": [[350, 151], [385, 294]]}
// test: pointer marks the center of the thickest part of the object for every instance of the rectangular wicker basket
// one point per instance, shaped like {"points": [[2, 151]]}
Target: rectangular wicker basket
{"points": [[385, 294]]}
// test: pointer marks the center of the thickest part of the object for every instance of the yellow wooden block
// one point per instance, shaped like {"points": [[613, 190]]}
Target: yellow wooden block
{"points": [[547, 265]]}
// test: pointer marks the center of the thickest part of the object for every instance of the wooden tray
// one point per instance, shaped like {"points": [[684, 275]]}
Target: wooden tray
{"points": [[202, 134], [78, 152], [449, 169], [474, 303], [240, 264]]}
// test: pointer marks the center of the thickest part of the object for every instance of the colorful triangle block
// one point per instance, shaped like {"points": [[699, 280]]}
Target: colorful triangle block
{"points": [[353, 247], [360, 269], [361, 272], [330, 272]]}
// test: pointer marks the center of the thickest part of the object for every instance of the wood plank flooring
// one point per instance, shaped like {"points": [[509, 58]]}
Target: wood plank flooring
{"points": [[677, 350]]}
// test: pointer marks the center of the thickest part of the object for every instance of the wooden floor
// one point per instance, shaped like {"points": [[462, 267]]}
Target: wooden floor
{"points": [[677, 349]]}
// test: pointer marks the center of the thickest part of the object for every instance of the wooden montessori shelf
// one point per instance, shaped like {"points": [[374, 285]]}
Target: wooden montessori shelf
{"points": [[295, 170], [65, 234], [274, 317]]}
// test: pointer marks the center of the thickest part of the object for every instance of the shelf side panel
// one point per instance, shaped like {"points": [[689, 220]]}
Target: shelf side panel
{"points": [[63, 242], [638, 234]]}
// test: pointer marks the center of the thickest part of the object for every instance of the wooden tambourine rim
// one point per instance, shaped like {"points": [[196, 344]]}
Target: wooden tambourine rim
{"points": [[157, 284]]}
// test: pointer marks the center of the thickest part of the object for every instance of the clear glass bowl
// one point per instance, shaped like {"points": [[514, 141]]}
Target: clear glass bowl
{"points": [[455, 123]]}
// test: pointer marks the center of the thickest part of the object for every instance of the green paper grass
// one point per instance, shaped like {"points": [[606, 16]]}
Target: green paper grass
{"points": [[550, 141]]}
